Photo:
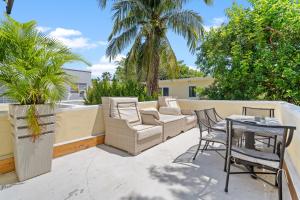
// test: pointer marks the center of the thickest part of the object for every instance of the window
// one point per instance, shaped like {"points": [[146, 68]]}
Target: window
{"points": [[78, 88], [192, 91], [82, 86], [165, 91]]}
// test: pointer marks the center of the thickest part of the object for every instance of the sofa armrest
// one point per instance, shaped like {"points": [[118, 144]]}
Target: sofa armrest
{"points": [[170, 111], [120, 126]]}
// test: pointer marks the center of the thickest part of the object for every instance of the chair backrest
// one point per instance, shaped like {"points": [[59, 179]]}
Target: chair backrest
{"points": [[286, 132], [202, 120], [212, 116], [123, 108], [259, 112]]}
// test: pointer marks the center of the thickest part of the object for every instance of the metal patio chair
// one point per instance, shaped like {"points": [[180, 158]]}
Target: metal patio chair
{"points": [[273, 162], [213, 135]]}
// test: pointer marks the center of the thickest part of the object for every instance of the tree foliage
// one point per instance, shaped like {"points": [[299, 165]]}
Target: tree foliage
{"points": [[184, 71], [144, 24], [257, 54]]}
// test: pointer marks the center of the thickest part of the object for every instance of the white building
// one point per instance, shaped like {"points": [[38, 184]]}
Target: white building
{"points": [[82, 80]]}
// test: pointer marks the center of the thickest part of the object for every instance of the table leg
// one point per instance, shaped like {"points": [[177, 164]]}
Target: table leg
{"points": [[250, 144]]}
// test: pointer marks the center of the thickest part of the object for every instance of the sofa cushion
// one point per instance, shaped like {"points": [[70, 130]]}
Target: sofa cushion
{"points": [[125, 108], [169, 111], [168, 118], [188, 112], [150, 111], [190, 119], [168, 102], [146, 131]]}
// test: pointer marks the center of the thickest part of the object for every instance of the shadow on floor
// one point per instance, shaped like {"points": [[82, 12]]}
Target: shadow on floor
{"points": [[197, 181], [134, 196], [113, 150], [203, 178], [8, 180]]}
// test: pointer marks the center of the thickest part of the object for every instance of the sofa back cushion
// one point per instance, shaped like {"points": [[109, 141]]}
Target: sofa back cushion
{"points": [[125, 108], [168, 102]]}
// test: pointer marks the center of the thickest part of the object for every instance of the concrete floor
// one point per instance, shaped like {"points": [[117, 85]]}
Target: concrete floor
{"points": [[163, 172]]}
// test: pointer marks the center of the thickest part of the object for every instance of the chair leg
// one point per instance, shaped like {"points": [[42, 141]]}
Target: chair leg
{"points": [[275, 142], [269, 142], [225, 162], [205, 146], [199, 146], [228, 173], [280, 185]]}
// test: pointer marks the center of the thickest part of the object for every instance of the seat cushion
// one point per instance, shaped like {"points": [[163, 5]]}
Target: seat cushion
{"points": [[125, 108], [170, 111], [168, 118], [190, 119], [215, 136], [146, 131], [254, 156]]}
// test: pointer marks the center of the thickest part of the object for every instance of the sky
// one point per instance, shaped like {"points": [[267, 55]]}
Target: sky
{"points": [[84, 27]]}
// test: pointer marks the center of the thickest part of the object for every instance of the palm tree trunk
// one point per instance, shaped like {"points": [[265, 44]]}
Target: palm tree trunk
{"points": [[152, 80]]}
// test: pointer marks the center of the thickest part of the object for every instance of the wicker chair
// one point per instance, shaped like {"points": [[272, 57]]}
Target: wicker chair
{"points": [[124, 128], [213, 135], [273, 162], [262, 112]]}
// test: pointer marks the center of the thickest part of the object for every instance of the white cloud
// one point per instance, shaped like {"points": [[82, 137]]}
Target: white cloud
{"points": [[62, 32], [105, 66], [218, 21], [72, 38], [215, 23], [43, 29]]}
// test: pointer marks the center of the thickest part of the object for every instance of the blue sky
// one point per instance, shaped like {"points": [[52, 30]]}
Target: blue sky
{"points": [[84, 27]]}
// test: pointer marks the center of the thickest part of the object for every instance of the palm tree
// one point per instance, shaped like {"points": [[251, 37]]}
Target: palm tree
{"points": [[145, 24], [31, 66]]}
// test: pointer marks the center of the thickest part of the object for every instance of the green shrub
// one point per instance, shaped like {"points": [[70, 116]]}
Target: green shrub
{"points": [[105, 88]]}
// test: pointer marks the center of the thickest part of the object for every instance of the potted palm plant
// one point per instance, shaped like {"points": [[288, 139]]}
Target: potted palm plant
{"points": [[31, 73]]}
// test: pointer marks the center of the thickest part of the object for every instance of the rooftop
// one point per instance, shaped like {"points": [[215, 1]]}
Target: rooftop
{"points": [[165, 171]]}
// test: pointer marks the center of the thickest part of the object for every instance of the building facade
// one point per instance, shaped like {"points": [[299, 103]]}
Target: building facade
{"points": [[184, 88], [82, 80]]}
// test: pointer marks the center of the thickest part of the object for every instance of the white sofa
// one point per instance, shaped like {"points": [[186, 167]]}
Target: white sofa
{"points": [[170, 116]]}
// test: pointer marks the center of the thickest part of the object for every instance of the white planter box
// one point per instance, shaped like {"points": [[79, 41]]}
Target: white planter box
{"points": [[32, 158]]}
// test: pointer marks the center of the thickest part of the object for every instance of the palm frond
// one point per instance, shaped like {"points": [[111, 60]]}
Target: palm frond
{"points": [[187, 24], [118, 44]]}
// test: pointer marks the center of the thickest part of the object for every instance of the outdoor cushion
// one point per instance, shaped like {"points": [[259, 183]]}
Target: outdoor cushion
{"points": [[190, 119], [146, 131], [168, 102], [150, 111], [188, 112], [125, 108], [170, 111], [263, 158]]}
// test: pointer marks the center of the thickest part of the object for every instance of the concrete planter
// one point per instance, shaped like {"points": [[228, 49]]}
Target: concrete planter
{"points": [[32, 158]]}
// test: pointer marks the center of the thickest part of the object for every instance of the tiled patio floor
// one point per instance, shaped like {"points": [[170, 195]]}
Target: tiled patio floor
{"points": [[161, 173]]}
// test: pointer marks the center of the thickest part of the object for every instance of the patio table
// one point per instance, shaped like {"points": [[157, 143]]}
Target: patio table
{"points": [[249, 131]]}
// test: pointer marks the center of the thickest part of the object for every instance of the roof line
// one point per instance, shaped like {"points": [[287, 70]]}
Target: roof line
{"points": [[78, 70]]}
